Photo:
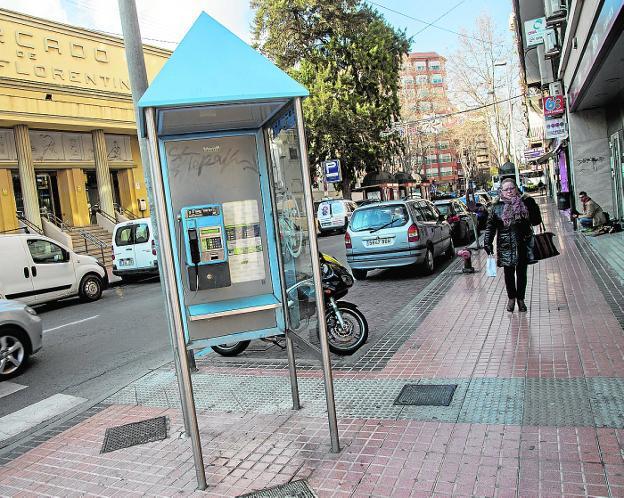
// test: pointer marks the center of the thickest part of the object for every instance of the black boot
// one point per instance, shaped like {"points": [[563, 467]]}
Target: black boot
{"points": [[522, 307], [511, 304]]}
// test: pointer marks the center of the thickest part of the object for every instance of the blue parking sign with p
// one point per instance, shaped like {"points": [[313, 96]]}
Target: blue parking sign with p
{"points": [[332, 171]]}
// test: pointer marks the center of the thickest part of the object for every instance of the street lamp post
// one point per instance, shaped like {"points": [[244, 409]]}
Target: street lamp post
{"points": [[512, 138]]}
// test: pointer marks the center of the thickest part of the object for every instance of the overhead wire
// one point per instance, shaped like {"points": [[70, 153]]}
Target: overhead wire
{"points": [[464, 111], [439, 18], [430, 24]]}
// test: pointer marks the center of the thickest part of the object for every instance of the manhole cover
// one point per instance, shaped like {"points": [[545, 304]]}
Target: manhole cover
{"points": [[124, 436], [426, 395], [295, 489]]}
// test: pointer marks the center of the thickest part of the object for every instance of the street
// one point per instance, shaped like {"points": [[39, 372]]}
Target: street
{"points": [[91, 350]]}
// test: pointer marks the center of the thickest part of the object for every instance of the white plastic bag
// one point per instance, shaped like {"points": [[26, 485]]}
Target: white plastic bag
{"points": [[491, 266]]}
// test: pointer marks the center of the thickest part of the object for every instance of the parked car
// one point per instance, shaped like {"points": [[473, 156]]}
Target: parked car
{"points": [[21, 332], [334, 215], [397, 233], [483, 197], [365, 202], [36, 269], [134, 249], [462, 221]]}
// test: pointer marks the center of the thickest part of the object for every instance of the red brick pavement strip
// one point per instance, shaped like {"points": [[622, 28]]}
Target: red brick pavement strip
{"points": [[570, 331], [379, 458]]}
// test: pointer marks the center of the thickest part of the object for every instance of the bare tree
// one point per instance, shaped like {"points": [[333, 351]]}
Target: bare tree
{"points": [[483, 71]]}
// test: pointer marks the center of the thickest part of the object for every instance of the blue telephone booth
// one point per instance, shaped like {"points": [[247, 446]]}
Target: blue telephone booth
{"points": [[232, 199]]}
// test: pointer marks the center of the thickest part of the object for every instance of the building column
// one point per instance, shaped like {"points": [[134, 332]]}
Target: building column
{"points": [[8, 220], [102, 171], [74, 206], [28, 180]]}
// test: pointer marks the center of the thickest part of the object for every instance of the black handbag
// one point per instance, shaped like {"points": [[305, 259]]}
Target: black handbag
{"points": [[543, 246]]}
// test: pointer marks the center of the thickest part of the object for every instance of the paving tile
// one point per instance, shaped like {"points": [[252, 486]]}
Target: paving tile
{"points": [[557, 402], [494, 401]]}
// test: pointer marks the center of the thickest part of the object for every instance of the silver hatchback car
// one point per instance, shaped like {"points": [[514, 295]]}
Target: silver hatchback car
{"points": [[397, 233], [21, 333]]}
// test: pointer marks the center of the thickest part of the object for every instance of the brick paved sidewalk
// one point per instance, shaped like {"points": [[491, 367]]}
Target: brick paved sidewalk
{"points": [[538, 409]]}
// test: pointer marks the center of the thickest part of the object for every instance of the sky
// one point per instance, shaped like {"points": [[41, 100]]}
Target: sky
{"points": [[164, 22]]}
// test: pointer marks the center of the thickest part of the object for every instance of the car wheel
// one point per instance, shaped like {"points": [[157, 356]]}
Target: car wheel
{"points": [[359, 274], [90, 288], [13, 352], [428, 264]]}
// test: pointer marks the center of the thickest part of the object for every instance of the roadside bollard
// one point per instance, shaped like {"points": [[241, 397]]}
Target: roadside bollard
{"points": [[466, 255]]}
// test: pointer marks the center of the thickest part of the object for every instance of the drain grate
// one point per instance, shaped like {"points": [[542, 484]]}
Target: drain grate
{"points": [[124, 436], [295, 489], [426, 395]]}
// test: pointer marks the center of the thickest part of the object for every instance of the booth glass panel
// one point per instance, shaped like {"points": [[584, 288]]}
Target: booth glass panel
{"points": [[287, 173]]}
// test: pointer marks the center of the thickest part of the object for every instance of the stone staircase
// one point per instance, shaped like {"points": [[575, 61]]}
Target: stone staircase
{"points": [[86, 246]]}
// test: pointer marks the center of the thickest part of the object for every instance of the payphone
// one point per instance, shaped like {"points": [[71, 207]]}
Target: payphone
{"points": [[205, 247]]}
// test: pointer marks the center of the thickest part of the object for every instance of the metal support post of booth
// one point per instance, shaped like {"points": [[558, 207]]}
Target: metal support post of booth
{"points": [[316, 270], [170, 284]]}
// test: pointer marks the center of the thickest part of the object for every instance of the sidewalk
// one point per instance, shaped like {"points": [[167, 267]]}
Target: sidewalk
{"points": [[538, 408]]}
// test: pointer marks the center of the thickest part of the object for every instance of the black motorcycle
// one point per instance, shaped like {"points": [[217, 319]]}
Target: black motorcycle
{"points": [[347, 328]]}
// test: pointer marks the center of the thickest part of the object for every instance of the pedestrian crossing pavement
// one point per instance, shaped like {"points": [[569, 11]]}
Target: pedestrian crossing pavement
{"points": [[7, 388], [32, 415]]}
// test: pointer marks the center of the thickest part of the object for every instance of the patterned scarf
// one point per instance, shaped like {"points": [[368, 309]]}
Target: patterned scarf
{"points": [[514, 210]]}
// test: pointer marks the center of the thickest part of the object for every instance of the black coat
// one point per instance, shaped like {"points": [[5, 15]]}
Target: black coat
{"points": [[513, 243]]}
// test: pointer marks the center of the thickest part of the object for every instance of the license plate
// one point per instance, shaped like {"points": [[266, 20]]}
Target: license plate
{"points": [[126, 262], [378, 242]]}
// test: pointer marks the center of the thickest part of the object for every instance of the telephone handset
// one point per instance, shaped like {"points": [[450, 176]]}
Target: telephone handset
{"points": [[194, 246], [205, 247]]}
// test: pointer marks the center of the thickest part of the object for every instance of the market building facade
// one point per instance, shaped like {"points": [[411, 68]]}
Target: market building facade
{"points": [[68, 144]]}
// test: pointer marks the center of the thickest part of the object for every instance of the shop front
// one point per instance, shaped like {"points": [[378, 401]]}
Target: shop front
{"points": [[68, 145]]}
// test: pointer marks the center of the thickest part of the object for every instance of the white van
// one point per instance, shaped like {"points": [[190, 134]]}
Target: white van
{"points": [[134, 249], [36, 269], [334, 214]]}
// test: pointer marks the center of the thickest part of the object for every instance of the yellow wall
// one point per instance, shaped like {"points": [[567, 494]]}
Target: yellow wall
{"points": [[132, 184], [73, 198], [8, 221], [51, 73], [62, 78]]}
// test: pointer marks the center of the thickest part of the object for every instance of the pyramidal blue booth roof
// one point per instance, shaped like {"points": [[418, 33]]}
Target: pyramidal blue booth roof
{"points": [[212, 65]]}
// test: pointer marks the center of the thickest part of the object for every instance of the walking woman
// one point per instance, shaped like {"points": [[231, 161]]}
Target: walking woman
{"points": [[511, 221]]}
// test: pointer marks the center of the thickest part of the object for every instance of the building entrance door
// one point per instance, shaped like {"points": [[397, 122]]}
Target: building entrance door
{"points": [[47, 194], [47, 191], [617, 173], [115, 185], [93, 197]]}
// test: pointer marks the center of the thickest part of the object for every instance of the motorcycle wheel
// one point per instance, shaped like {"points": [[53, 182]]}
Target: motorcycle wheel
{"points": [[231, 349], [347, 341]]}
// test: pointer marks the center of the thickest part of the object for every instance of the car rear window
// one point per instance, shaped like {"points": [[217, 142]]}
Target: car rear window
{"points": [[379, 216], [123, 237], [444, 208], [331, 208], [132, 234]]}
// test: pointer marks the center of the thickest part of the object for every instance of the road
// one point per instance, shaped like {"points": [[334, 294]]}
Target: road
{"points": [[91, 350]]}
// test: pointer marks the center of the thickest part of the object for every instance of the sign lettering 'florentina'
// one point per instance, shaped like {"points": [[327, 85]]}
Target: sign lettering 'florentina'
{"points": [[28, 53]]}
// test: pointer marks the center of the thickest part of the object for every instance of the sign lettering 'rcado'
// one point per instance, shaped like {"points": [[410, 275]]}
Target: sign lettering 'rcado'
{"points": [[37, 54]]}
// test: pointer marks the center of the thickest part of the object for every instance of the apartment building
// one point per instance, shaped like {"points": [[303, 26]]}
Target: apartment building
{"points": [[424, 109]]}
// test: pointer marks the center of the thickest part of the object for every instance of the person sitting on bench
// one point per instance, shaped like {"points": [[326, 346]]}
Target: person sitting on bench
{"points": [[593, 216]]}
